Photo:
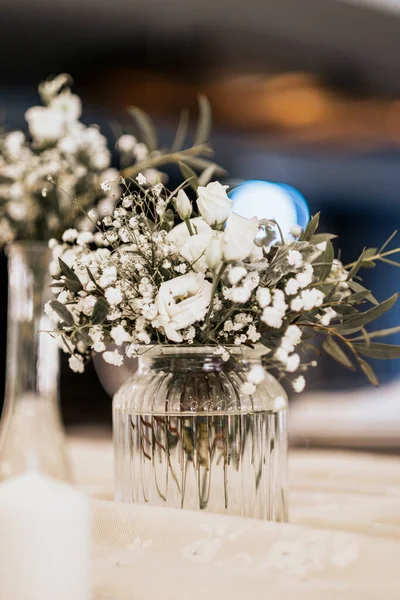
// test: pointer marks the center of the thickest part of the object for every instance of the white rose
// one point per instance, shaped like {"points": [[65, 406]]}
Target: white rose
{"points": [[45, 124], [183, 205], [194, 251], [213, 203], [179, 235], [194, 294], [213, 253], [239, 237]]}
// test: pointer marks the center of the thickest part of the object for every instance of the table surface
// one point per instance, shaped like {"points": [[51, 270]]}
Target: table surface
{"points": [[342, 541]]}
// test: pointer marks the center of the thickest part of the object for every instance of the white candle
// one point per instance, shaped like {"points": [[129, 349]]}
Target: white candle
{"points": [[44, 540]]}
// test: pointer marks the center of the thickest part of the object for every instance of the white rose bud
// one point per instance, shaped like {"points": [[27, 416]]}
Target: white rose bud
{"points": [[213, 252], [213, 203], [183, 205], [239, 236]]}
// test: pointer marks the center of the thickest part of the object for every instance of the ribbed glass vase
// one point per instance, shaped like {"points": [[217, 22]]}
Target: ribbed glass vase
{"points": [[186, 436], [31, 434]]}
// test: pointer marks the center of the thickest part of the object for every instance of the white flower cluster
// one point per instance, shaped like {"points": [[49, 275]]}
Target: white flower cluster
{"points": [[157, 272], [62, 160]]}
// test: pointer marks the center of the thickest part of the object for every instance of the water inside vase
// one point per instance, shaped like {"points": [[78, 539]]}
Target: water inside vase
{"points": [[223, 462]]}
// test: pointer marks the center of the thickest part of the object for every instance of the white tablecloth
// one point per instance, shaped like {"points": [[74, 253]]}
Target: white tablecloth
{"points": [[343, 539]]}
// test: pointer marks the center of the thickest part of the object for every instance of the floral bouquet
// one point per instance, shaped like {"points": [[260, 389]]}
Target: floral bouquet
{"points": [[163, 270], [60, 177], [48, 180]]}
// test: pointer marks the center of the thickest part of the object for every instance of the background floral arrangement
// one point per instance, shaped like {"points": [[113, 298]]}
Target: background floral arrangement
{"points": [[63, 161], [157, 272], [52, 181]]}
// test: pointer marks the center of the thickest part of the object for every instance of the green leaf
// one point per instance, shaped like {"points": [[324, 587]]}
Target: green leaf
{"points": [[74, 285], [358, 297], [146, 127], [59, 284], [318, 238], [84, 337], [92, 279], [203, 129], [388, 261], [181, 132], [168, 220], [356, 267], [377, 350], [368, 264], [345, 309], [370, 252], [63, 312], [327, 258], [363, 318], [357, 287], [380, 333], [382, 248], [189, 175], [332, 348], [369, 372], [100, 311], [311, 228], [207, 175]]}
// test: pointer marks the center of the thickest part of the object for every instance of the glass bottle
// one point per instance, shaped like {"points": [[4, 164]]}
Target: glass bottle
{"points": [[186, 436], [31, 433]]}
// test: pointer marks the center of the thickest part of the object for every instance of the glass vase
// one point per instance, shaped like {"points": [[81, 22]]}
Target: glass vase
{"points": [[31, 433], [186, 436]]}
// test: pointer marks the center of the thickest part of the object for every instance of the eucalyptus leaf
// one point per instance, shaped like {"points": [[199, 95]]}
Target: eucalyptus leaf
{"points": [[381, 333], [369, 372], [382, 248], [63, 312], [204, 124], [189, 175], [359, 297], [368, 264], [318, 238], [345, 309], [84, 337], [146, 127], [311, 228], [377, 350], [57, 284], [100, 311], [327, 258], [168, 220], [74, 284], [356, 267], [207, 175], [357, 287], [370, 252], [363, 318], [181, 131], [332, 348], [92, 279]]}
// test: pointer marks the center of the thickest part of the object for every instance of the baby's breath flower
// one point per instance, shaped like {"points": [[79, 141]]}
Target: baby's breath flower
{"points": [[113, 357], [295, 259], [299, 384], [113, 296], [248, 388], [256, 374], [236, 274], [141, 179]]}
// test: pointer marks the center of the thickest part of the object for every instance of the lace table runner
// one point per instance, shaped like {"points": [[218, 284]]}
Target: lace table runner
{"points": [[343, 540]]}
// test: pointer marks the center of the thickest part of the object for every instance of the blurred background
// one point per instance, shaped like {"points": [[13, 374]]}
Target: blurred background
{"points": [[305, 92]]}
